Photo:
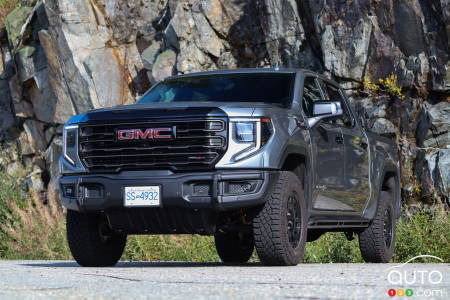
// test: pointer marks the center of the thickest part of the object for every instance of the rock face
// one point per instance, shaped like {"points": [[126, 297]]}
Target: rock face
{"points": [[62, 57]]}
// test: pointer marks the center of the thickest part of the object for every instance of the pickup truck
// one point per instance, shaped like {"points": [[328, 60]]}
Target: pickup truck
{"points": [[263, 159]]}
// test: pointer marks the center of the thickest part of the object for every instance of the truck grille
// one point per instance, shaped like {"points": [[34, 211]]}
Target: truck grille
{"points": [[195, 143]]}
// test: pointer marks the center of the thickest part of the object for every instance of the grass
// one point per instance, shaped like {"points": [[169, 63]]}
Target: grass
{"points": [[31, 230]]}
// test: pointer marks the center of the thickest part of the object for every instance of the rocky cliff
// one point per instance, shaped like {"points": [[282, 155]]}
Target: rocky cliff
{"points": [[64, 57]]}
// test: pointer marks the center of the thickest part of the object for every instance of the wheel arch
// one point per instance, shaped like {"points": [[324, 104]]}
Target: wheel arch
{"points": [[290, 161], [389, 171]]}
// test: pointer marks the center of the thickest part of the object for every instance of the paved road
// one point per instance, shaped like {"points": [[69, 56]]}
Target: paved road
{"points": [[179, 280]]}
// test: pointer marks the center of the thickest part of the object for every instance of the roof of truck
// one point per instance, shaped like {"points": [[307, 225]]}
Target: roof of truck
{"points": [[242, 71]]}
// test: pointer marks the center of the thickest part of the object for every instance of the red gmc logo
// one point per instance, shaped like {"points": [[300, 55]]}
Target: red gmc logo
{"points": [[148, 134]]}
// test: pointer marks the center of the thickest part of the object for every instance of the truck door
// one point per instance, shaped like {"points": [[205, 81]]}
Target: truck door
{"points": [[356, 156], [328, 155]]}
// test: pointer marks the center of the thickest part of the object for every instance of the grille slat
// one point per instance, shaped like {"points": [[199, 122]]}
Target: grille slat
{"points": [[198, 143], [148, 155]]}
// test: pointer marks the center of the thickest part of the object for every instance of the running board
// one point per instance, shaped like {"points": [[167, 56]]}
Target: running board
{"points": [[330, 223]]}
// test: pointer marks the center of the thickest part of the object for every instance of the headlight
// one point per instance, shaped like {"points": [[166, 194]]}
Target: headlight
{"points": [[70, 162], [245, 131], [70, 143]]}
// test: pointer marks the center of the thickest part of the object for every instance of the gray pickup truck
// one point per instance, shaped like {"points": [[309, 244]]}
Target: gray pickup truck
{"points": [[258, 158]]}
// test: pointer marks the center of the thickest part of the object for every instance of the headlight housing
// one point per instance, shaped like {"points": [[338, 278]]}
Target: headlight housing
{"points": [[71, 162], [70, 143], [246, 136]]}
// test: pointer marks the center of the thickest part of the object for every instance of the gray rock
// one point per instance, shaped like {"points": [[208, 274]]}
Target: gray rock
{"points": [[440, 117], [45, 104], [66, 103], [383, 127], [80, 78], [439, 170], [35, 182], [128, 17], [205, 37], [414, 71], [52, 155], [22, 108], [441, 141], [30, 60], [107, 78], [150, 54], [283, 30], [164, 65], [217, 16], [192, 59], [49, 134], [24, 144], [345, 37], [35, 135]]}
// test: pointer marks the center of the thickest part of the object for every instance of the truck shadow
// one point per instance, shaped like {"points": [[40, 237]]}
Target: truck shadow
{"points": [[154, 264]]}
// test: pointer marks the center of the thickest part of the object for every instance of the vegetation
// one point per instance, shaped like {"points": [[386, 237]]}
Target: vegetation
{"points": [[6, 6], [389, 86], [32, 230], [419, 231]]}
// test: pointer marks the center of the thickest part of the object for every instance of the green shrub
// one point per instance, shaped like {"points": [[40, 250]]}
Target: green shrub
{"points": [[192, 248], [423, 232]]}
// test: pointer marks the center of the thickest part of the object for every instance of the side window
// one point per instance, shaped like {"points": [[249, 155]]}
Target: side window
{"points": [[333, 94], [311, 93]]}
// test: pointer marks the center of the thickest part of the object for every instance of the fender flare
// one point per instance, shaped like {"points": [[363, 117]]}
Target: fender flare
{"points": [[371, 208], [303, 151]]}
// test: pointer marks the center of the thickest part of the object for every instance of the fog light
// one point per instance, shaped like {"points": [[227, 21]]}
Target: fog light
{"points": [[241, 187], [248, 187], [93, 191], [69, 191]]}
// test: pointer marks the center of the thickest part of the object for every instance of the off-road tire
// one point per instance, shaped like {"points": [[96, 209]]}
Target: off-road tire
{"points": [[88, 245], [234, 247], [270, 226], [372, 241]]}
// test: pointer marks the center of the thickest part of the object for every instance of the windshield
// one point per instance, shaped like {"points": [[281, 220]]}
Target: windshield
{"points": [[270, 88]]}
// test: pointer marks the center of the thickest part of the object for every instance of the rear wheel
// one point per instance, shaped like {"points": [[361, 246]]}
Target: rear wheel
{"points": [[91, 240], [234, 247], [280, 227], [377, 242]]}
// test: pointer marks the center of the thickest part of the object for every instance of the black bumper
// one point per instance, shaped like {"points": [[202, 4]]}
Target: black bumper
{"points": [[217, 190]]}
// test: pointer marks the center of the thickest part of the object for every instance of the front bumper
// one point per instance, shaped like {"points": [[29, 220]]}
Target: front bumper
{"points": [[216, 190]]}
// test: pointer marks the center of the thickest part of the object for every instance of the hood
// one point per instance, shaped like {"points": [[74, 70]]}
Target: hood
{"points": [[175, 110]]}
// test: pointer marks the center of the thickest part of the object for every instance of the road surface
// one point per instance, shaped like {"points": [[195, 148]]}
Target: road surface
{"points": [[181, 280]]}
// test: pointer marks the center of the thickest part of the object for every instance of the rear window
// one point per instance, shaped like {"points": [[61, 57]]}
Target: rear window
{"points": [[270, 88]]}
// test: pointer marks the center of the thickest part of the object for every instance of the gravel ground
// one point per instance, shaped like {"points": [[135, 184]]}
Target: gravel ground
{"points": [[181, 280]]}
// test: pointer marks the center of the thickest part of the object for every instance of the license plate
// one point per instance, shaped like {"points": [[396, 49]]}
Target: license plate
{"points": [[142, 195]]}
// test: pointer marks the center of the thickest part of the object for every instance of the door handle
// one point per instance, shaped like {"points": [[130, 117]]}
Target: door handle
{"points": [[339, 140]]}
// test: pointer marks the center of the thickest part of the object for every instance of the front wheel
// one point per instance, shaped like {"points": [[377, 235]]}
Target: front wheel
{"points": [[91, 240], [280, 227]]}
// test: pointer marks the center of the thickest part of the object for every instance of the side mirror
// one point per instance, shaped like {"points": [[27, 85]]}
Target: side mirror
{"points": [[324, 110]]}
